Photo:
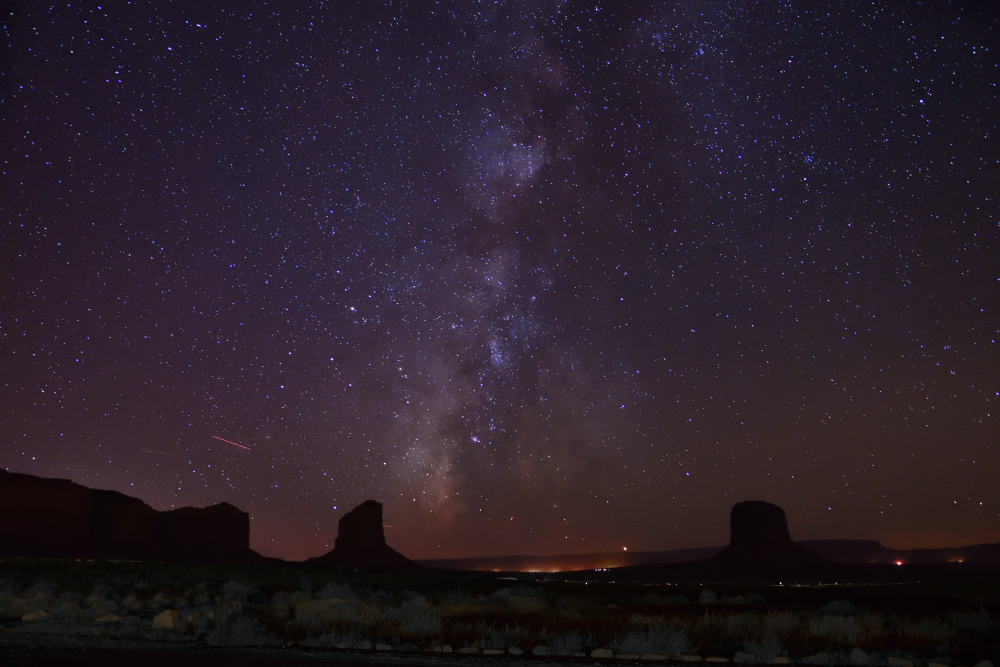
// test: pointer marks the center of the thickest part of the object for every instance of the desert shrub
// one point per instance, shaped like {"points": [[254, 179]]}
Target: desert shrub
{"points": [[838, 629], [874, 625], [780, 623], [414, 604], [9, 587], [502, 638], [881, 658], [415, 618], [569, 643], [160, 635], [42, 589], [729, 628], [337, 611], [425, 624], [876, 659], [571, 607], [330, 639], [199, 594], [659, 639], [335, 591], [235, 591], [516, 634], [485, 635], [765, 650], [977, 621], [407, 595], [350, 639], [739, 625], [308, 627], [839, 608], [924, 629], [478, 628], [9, 590], [494, 640], [68, 604], [457, 596], [244, 630], [102, 591], [382, 597], [281, 605], [633, 642], [838, 659], [163, 600], [192, 619], [131, 627]]}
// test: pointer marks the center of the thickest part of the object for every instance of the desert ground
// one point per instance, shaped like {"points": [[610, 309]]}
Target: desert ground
{"points": [[108, 612]]}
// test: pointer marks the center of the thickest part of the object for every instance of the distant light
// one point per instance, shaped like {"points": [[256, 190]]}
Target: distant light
{"points": [[899, 562], [624, 548]]}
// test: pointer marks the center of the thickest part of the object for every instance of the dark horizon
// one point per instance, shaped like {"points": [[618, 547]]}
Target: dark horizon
{"points": [[544, 276]]}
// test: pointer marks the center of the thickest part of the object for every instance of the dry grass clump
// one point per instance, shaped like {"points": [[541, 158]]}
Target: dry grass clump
{"points": [[659, 639]]}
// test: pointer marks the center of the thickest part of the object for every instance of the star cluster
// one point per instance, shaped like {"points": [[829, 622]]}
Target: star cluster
{"points": [[542, 277]]}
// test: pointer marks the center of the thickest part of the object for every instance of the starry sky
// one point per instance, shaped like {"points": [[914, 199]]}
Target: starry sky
{"points": [[540, 276]]}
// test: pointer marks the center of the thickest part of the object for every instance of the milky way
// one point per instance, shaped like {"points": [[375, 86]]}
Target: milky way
{"points": [[542, 277]]}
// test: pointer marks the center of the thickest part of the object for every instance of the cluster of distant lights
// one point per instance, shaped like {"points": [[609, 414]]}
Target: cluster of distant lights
{"points": [[609, 568]]}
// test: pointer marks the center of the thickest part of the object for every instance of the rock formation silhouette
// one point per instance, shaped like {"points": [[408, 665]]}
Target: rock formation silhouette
{"points": [[759, 543], [760, 550], [361, 529], [755, 524], [361, 544], [57, 518]]}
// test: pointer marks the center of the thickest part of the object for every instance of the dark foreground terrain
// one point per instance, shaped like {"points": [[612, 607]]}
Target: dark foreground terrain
{"points": [[110, 613]]}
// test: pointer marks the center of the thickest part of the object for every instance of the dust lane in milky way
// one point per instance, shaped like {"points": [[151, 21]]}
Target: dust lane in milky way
{"points": [[542, 277]]}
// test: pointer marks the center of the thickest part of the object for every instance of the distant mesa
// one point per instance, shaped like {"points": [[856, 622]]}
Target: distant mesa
{"points": [[982, 556], [57, 518], [361, 544], [755, 524], [759, 541], [760, 550]]}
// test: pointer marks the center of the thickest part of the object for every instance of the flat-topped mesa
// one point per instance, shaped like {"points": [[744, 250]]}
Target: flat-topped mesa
{"points": [[57, 518], [761, 546], [361, 544], [755, 524]]}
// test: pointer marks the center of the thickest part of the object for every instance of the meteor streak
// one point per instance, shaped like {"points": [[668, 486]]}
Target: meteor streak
{"points": [[232, 443]]}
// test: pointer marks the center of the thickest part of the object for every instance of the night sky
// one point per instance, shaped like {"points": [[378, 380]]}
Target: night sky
{"points": [[542, 277]]}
